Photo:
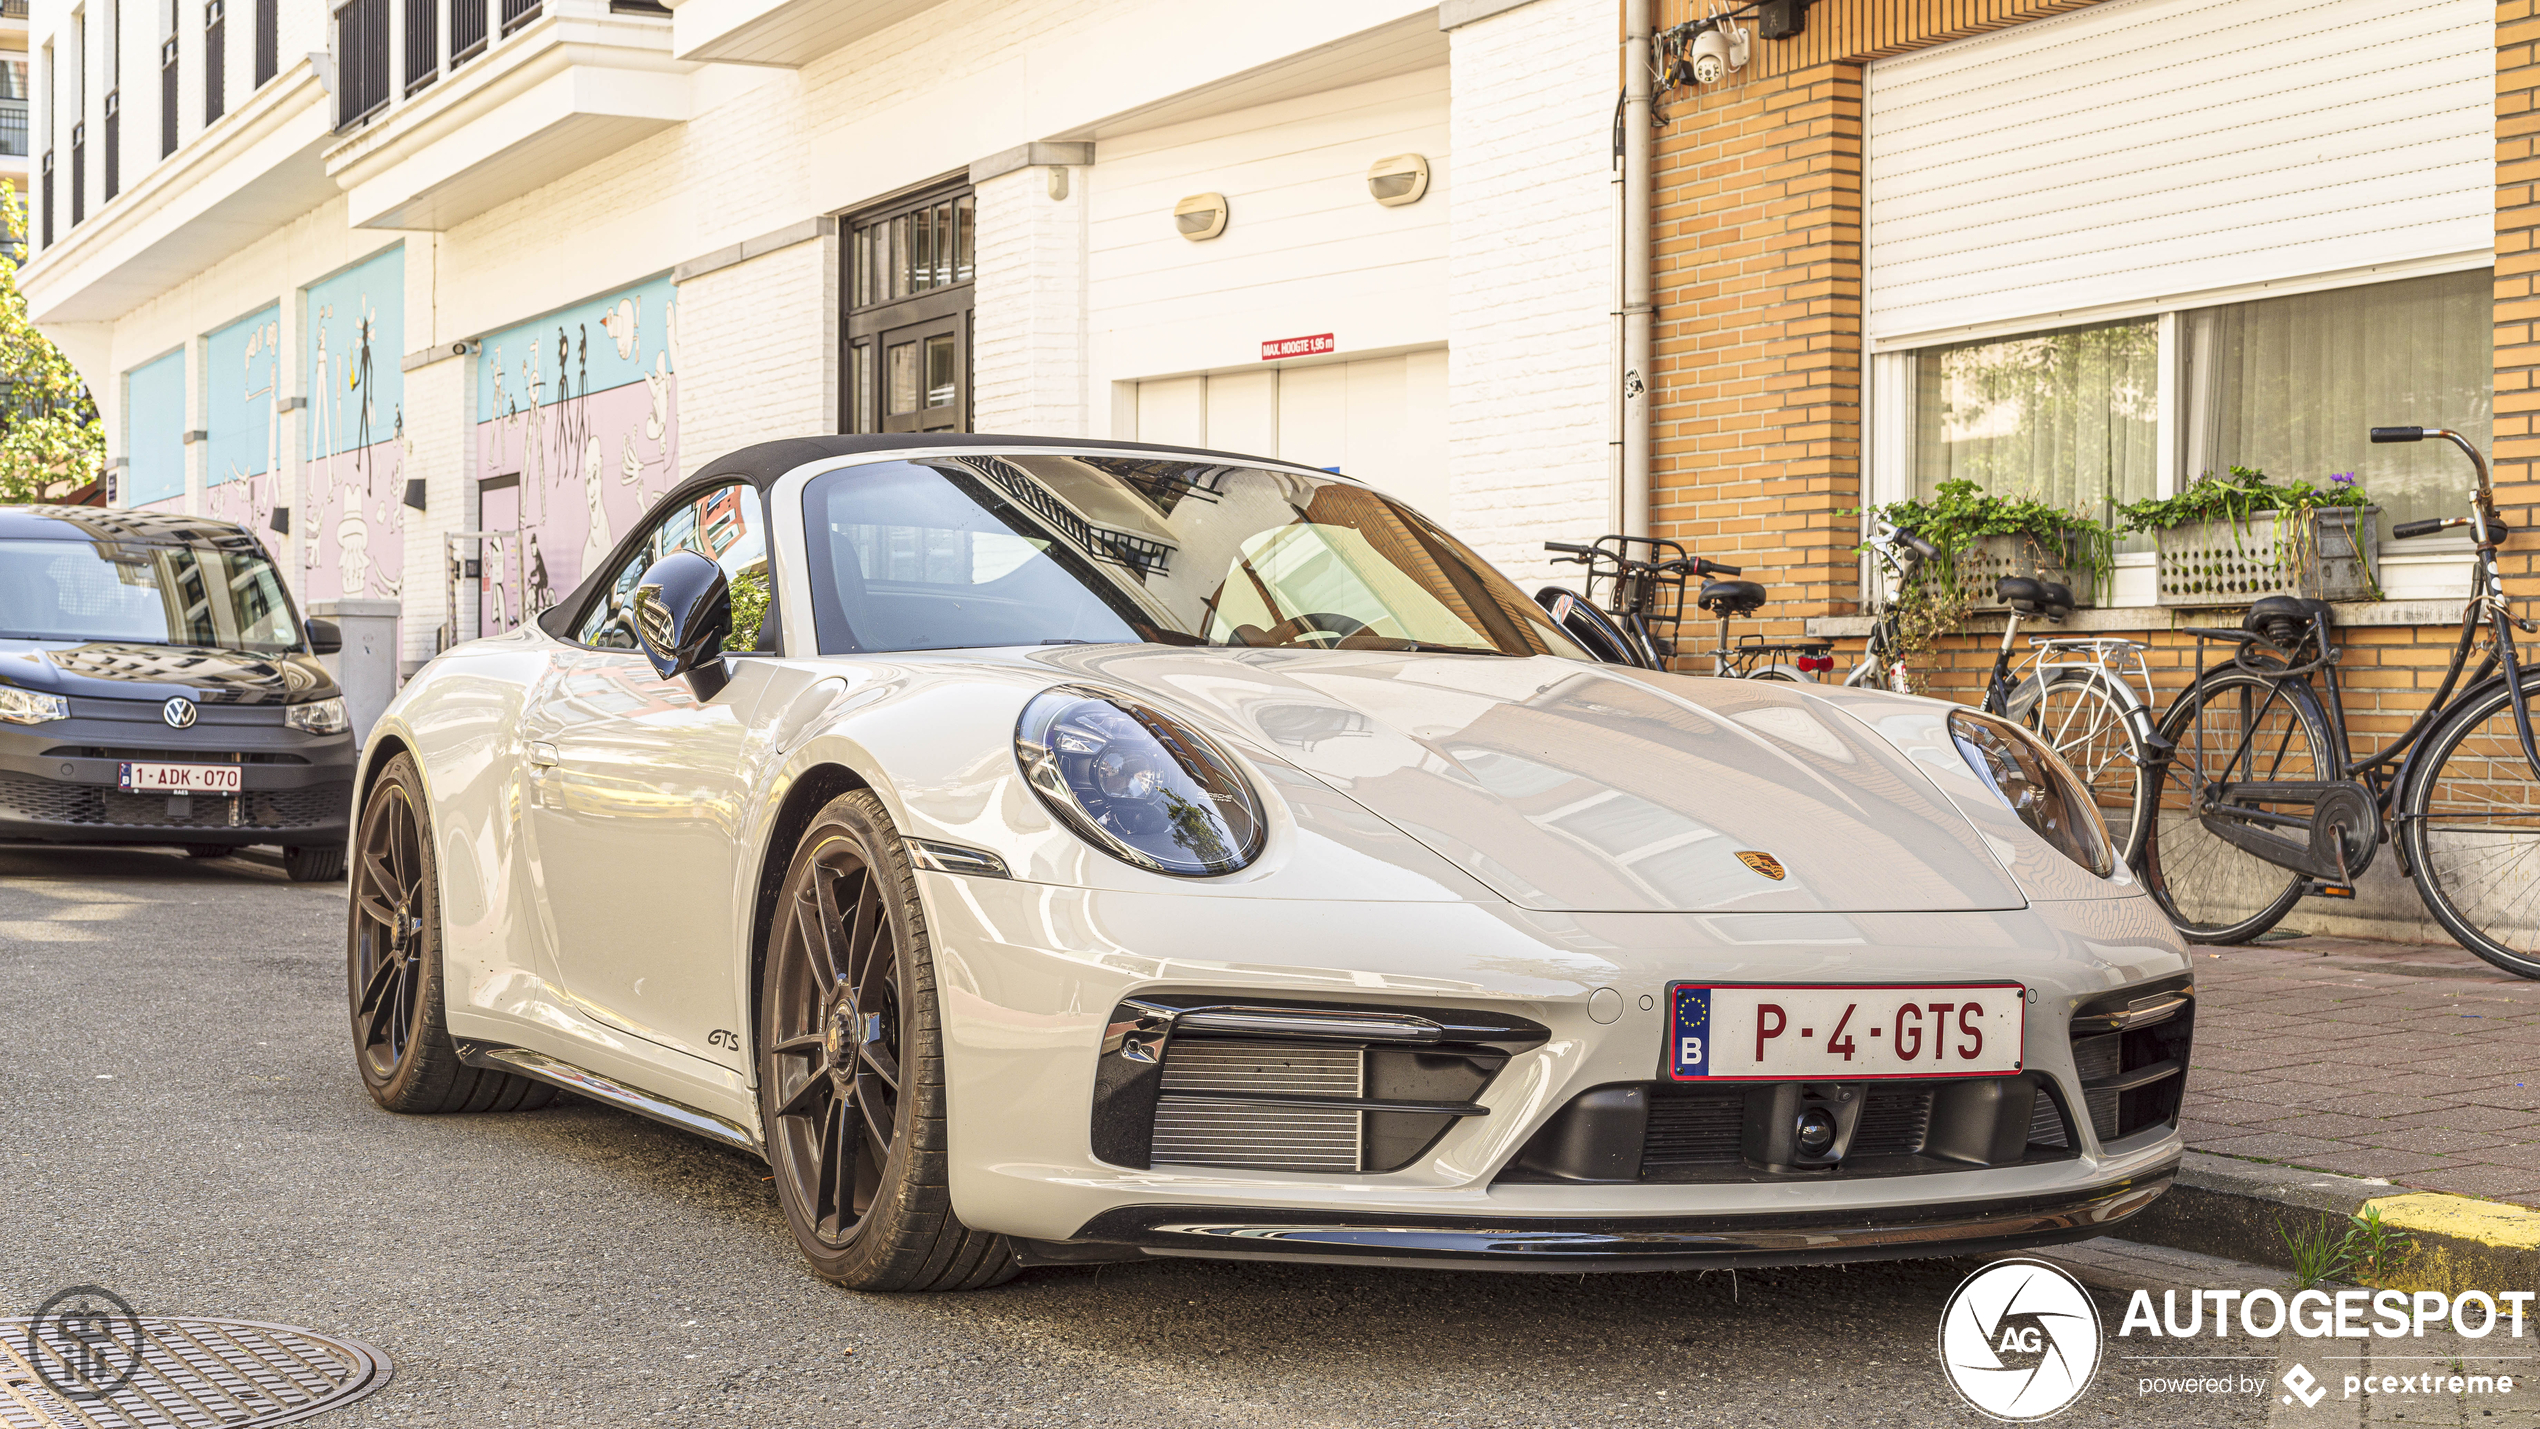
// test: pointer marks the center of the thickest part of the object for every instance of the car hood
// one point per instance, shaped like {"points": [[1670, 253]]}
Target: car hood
{"points": [[1569, 787], [106, 670]]}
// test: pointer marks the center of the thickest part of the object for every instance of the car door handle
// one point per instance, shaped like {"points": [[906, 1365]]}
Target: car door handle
{"points": [[542, 755]]}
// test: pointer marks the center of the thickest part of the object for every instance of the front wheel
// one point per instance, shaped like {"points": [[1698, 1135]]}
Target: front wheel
{"points": [[851, 1068], [2229, 727], [2088, 719], [2469, 819]]}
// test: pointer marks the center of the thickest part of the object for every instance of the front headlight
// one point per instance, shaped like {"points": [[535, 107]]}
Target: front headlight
{"points": [[318, 716], [31, 706], [1138, 784], [2036, 783]]}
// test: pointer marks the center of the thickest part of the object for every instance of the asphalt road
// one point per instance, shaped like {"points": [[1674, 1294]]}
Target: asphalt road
{"points": [[184, 1125]]}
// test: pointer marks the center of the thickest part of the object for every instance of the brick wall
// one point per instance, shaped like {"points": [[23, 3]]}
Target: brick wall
{"points": [[1757, 408], [1530, 339], [1027, 337]]}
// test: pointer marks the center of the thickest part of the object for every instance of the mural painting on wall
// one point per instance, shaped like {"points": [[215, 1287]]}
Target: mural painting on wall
{"points": [[241, 473], [577, 435], [154, 434], [354, 545]]}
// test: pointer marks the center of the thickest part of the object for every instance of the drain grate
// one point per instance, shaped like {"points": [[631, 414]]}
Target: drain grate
{"points": [[188, 1374]]}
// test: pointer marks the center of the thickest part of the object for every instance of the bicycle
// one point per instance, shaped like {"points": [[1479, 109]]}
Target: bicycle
{"points": [[1645, 594], [2263, 802], [2076, 692]]}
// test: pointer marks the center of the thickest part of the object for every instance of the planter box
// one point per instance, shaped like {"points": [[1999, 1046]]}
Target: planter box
{"points": [[1993, 557], [2210, 563]]}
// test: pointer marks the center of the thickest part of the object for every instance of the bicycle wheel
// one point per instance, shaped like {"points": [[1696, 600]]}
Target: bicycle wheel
{"points": [[2230, 725], [2085, 718], [2470, 821]]}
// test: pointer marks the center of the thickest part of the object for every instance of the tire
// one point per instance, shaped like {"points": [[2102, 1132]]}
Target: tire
{"points": [[208, 851], [2469, 819], [323, 863], [393, 974], [851, 1051], [2088, 721], [2212, 891]]}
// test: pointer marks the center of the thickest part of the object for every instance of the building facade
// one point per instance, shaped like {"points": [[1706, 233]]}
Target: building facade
{"points": [[2086, 252], [374, 276]]}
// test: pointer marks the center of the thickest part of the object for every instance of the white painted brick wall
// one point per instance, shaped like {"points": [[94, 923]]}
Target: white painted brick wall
{"points": [[1530, 285], [757, 345], [1027, 353]]}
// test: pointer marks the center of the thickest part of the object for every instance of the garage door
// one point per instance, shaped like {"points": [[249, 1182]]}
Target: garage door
{"points": [[1379, 419]]}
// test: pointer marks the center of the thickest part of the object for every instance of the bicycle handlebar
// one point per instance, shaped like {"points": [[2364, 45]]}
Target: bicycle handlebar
{"points": [[1695, 565]]}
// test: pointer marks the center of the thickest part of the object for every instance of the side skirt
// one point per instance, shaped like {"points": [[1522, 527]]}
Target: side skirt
{"points": [[538, 1066]]}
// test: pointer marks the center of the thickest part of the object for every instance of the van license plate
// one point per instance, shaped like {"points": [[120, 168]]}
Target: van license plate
{"points": [[181, 778]]}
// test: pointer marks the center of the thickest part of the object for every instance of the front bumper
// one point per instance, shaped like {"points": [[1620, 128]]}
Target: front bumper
{"points": [[1028, 975], [59, 780]]}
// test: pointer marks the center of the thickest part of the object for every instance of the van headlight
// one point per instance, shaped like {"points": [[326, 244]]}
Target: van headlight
{"points": [[2036, 784], [1137, 783], [318, 716], [31, 706]]}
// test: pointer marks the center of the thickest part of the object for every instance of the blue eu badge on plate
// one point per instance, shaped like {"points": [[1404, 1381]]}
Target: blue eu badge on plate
{"points": [[1689, 1046]]}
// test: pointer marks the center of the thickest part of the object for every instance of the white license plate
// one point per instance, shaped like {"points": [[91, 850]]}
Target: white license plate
{"points": [[1819, 1033], [181, 778]]}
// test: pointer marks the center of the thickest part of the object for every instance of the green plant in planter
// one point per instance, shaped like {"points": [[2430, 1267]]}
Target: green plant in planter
{"points": [[1933, 602], [2242, 492]]}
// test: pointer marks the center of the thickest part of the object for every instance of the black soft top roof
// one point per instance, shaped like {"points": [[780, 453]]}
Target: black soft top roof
{"points": [[103, 523], [762, 464]]}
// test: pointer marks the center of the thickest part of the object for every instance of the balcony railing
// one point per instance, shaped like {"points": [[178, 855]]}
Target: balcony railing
{"points": [[114, 142], [268, 40], [167, 96], [361, 57], [12, 9], [517, 13], [215, 55], [467, 31], [13, 127], [423, 36]]}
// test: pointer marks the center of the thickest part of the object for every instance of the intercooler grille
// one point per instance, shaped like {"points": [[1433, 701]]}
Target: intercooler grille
{"points": [[1194, 1131], [53, 802], [1893, 1123], [1692, 1130]]}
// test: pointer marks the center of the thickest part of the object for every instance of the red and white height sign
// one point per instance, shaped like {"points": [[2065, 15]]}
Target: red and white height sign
{"points": [[1314, 346]]}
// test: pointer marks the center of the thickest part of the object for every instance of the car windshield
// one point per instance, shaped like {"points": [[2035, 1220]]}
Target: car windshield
{"points": [[954, 552], [144, 593]]}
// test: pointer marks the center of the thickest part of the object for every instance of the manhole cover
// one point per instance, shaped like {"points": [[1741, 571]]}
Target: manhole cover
{"points": [[159, 1372]]}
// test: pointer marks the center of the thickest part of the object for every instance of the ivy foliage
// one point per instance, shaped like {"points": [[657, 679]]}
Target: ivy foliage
{"points": [[50, 438], [1935, 601]]}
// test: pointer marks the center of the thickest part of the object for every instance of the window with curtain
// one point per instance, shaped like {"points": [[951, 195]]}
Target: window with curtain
{"points": [[2070, 417], [2292, 386]]}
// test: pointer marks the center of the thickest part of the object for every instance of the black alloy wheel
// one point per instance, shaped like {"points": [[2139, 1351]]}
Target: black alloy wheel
{"points": [[851, 1074], [393, 966]]}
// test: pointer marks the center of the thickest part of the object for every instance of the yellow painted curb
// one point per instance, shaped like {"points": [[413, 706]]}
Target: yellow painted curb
{"points": [[2486, 1222]]}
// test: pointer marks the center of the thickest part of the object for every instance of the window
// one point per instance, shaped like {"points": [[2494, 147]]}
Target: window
{"points": [[908, 284], [723, 523], [2082, 417], [2292, 386]]}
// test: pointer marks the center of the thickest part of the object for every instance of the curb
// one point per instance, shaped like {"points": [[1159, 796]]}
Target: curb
{"points": [[2232, 1208]]}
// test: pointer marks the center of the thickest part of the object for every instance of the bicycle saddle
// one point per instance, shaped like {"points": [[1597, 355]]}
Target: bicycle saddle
{"points": [[2285, 619], [2034, 597], [1731, 597]]}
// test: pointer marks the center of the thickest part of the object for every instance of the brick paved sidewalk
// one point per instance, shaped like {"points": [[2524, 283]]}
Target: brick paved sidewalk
{"points": [[2414, 1063]]}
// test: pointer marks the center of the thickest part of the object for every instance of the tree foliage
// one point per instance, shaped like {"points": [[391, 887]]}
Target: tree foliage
{"points": [[50, 438]]}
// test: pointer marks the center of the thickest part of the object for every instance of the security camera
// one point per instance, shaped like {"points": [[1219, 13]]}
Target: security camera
{"points": [[1710, 57]]}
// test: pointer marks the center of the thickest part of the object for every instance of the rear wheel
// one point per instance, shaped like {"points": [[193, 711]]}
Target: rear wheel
{"points": [[2230, 726], [393, 967], [851, 1068], [2470, 821], [2086, 720]]}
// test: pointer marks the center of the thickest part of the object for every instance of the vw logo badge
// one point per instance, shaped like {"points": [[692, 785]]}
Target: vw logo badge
{"points": [[178, 712]]}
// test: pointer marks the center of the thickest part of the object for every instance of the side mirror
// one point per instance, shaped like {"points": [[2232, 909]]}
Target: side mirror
{"points": [[682, 612], [325, 636]]}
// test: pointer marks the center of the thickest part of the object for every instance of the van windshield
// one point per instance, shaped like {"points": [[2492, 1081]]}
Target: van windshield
{"points": [[144, 593], [954, 552]]}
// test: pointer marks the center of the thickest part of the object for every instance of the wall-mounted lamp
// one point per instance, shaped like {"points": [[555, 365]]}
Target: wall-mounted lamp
{"points": [[1402, 179], [280, 521], [414, 492], [1200, 217]]}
